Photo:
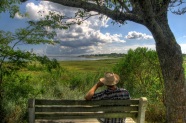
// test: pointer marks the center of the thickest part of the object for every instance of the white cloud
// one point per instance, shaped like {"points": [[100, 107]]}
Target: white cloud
{"points": [[36, 12], [19, 16], [87, 37], [138, 35], [183, 48], [78, 38], [120, 48]]}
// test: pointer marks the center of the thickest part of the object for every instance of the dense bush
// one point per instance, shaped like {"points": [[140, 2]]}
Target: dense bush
{"points": [[58, 83], [16, 90], [141, 74]]}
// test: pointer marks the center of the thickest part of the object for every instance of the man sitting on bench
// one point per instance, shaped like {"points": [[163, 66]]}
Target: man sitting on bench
{"points": [[111, 93]]}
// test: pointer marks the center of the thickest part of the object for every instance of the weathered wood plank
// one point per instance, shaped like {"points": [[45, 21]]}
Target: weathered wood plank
{"points": [[86, 109], [83, 115], [83, 102], [89, 120], [69, 121], [52, 110]]}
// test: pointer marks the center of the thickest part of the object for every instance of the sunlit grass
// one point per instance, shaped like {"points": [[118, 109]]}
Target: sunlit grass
{"points": [[184, 64], [72, 81], [89, 66]]}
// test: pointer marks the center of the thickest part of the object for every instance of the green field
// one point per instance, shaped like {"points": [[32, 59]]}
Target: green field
{"points": [[90, 66], [96, 65], [72, 81], [184, 64]]}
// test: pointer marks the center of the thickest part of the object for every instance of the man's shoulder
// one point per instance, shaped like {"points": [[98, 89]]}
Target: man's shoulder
{"points": [[123, 89], [101, 92]]}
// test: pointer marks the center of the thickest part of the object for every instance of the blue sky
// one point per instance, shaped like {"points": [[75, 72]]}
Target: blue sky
{"points": [[93, 36]]}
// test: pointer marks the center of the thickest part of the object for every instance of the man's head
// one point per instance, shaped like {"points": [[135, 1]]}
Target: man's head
{"points": [[110, 79]]}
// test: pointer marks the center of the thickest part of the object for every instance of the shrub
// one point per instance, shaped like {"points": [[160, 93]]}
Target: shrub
{"points": [[16, 91], [141, 74]]}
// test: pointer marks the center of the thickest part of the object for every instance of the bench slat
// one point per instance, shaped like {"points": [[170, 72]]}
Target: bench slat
{"points": [[88, 120], [83, 115], [83, 102], [86, 109], [50, 110]]}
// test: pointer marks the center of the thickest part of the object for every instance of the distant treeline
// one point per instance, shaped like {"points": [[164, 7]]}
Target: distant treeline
{"points": [[104, 55], [109, 55]]}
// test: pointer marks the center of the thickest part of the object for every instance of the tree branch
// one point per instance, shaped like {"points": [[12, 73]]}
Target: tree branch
{"points": [[123, 4], [176, 3], [117, 16]]}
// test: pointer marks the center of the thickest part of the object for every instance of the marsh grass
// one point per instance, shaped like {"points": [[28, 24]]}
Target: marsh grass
{"points": [[71, 81], [90, 66], [184, 64]]}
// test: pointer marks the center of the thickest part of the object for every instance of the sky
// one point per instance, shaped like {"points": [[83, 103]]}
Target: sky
{"points": [[93, 36]]}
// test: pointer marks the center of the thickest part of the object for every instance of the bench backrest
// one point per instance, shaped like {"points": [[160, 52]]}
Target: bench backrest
{"points": [[78, 109]]}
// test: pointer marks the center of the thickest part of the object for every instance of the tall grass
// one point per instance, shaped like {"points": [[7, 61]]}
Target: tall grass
{"points": [[61, 83], [184, 63], [71, 81]]}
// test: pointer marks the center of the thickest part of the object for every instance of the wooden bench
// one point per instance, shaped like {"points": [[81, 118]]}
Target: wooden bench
{"points": [[45, 111]]}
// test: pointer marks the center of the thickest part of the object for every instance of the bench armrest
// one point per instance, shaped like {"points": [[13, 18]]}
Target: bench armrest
{"points": [[31, 110], [142, 109]]}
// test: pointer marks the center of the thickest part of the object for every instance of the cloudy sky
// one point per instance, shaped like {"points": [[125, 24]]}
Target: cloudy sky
{"points": [[93, 36]]}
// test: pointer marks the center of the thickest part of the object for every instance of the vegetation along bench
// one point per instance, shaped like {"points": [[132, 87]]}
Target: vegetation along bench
{"points": [[70, 111]]}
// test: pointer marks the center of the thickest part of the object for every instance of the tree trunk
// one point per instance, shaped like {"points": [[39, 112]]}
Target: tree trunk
{"points": [[170, 57], [2, 113]]}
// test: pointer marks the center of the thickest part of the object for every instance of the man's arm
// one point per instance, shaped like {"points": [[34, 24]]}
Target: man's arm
{"points": [[91, 92]]}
